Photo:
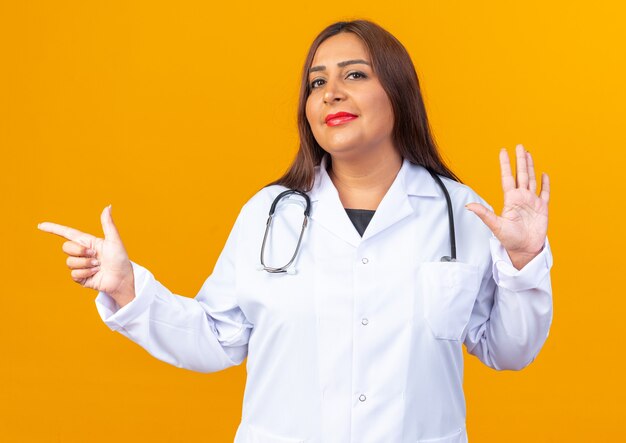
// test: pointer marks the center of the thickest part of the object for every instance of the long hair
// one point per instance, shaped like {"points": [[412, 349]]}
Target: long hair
{"points": [[392, 64]]}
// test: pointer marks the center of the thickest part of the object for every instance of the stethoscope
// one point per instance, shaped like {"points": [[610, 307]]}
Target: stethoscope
{"points": [[307, 212]]}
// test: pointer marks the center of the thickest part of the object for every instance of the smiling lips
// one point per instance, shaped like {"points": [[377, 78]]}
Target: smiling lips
{"points": [[339, 118]]}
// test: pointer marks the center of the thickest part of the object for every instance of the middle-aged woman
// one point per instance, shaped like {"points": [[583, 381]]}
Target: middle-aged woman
{"points": [[360, 339]]}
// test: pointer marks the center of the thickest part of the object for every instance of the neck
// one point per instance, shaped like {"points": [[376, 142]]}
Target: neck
{"points": [[363, 183]]}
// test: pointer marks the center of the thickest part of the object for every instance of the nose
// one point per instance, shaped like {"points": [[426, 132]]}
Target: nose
{"points": [[333, 92]]}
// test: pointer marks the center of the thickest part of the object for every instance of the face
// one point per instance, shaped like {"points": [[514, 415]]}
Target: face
{"points": [[348, 109]]}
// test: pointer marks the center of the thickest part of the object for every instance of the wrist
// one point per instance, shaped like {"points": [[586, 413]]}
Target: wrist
{"points": [[521, 259], [125, 293]]}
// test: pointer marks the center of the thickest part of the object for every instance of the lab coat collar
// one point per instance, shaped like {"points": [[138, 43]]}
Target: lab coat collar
{"points": [[412, 180]]}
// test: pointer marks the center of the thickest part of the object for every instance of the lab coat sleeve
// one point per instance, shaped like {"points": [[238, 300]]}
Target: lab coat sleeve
{"points": [[512, 315], [206, 333]]}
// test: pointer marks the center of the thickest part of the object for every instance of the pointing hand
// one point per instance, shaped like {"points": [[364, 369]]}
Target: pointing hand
{"points": [[96, 263]]}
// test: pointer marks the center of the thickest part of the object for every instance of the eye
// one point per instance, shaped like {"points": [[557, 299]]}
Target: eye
{"points": [[316, 83], [356, 75]]}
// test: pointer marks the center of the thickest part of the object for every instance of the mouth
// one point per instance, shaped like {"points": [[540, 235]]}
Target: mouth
{"points": [[339, 118]]}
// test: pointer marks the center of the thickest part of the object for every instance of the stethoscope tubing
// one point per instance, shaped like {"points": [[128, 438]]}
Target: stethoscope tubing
{"points": [[446, 194], [307, 212]]}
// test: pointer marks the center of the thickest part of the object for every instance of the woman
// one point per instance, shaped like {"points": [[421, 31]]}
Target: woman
{"points": [[360, 340]]}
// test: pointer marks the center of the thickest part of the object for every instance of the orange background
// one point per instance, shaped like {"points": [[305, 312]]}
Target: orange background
{"points": [[178, 112]]}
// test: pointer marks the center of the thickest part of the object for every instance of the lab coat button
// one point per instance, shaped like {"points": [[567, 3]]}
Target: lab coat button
{"points": [[362, 397], [364, 261], [364, 321]]}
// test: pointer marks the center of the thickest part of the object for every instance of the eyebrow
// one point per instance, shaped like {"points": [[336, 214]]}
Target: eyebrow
{"points": [[340, 64]]}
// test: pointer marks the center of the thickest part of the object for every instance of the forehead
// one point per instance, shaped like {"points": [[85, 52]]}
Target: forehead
{"points": [[340, 47]]}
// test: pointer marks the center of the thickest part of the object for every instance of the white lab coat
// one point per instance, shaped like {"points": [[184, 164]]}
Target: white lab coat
{"points": [[363, 343]]}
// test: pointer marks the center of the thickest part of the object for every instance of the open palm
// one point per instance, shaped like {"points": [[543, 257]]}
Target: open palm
{"points": [[523, 224]]}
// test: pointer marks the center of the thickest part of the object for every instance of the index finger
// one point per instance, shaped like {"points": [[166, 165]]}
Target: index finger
{"points": [[66, 232], [508, 182]]}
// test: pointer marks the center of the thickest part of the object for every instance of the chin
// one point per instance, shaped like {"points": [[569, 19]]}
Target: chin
{"points": [[341, 151], [342, 146]]}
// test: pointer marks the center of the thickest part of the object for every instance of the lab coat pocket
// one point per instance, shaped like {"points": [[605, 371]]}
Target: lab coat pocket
{"points": [[255, 435], [457, 437], [448, 291]]}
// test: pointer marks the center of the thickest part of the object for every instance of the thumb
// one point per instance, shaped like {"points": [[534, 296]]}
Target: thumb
{"points": [[110, 231], [488, 217]]}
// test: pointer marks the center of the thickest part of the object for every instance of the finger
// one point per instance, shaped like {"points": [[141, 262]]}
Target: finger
{"points": [[521, 167], [63, 231], [73, 248], [81, 274], [110, 231], [545, 187], [81, 262], [532, 181], [67, 233], [508, 182], [488, 217]]}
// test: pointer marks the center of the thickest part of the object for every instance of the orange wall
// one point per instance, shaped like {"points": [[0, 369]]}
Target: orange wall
{"points": [[177, 112]]}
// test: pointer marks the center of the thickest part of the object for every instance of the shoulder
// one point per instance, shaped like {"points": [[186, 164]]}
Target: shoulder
{"points": [[261, 201], [419, 182], [472, 235], [462, 194], [252, 217]]}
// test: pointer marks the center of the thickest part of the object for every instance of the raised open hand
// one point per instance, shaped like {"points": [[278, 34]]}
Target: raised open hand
{"points": [[96, 263], [523, 225]]}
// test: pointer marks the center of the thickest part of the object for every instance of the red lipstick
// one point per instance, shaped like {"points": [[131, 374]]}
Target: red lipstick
{"points": [[339, 118]]}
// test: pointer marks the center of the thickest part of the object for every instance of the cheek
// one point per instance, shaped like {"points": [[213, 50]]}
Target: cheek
{"points": [[309, 111], [390, 117], [389, 113], [312, 116], [384, 111]]}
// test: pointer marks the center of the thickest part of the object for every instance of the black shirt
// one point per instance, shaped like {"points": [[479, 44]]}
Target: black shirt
{"points": [[360, 218]]}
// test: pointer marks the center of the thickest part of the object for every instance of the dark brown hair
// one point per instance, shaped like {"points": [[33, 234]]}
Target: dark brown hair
{"points": [[393, 66]]}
